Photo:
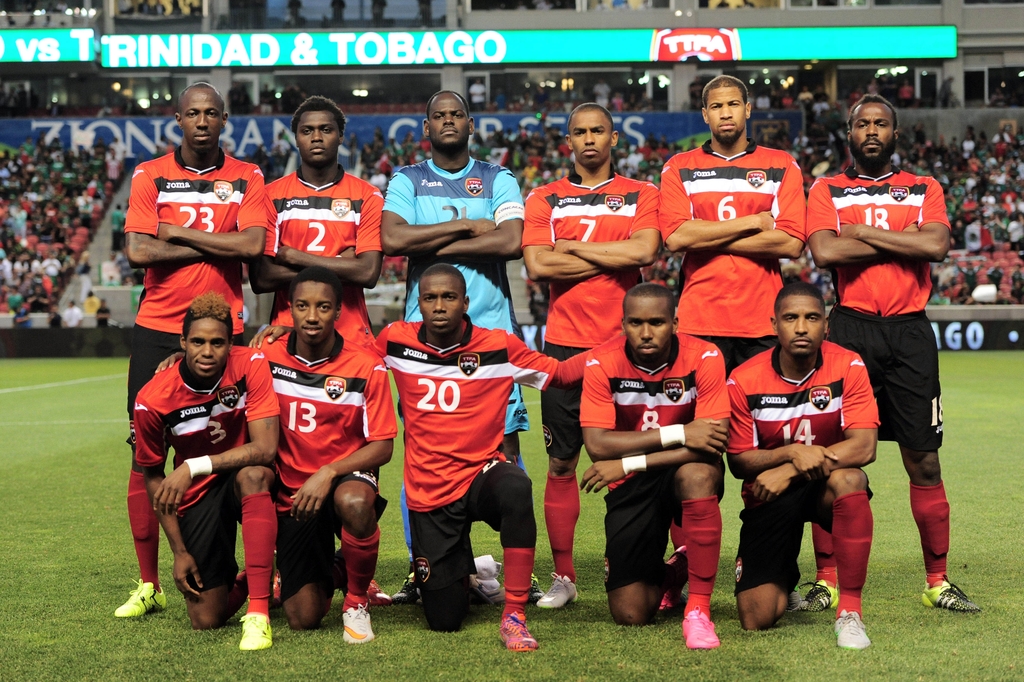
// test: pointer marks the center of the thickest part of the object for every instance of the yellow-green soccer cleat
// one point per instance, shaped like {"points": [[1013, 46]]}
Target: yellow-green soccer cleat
{"points": [[143, 599], [950, 597], [256, 633], [821, 596]]}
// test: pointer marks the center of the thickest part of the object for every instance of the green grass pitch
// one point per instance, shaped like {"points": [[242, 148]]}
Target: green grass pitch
{"points": [[68, 561]]}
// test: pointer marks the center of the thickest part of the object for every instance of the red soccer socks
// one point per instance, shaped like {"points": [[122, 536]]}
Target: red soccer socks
{"points": [[259, 535], [360, 555], [561, 512], [145, 529], [824, 555], [931, 512], [518, 572], [702, 532], [852, 529]]}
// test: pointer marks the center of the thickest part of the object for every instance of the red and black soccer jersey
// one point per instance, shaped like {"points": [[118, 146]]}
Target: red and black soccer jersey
{"points": [[770, 411], [329, 409], [170, 413], [893, 285], [453, 403], [587, 313], [325, 221], [723, 294], [226, 197], [622, 396]]}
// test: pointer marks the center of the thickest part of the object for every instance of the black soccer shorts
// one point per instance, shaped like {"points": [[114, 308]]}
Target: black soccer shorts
{"points": [[902, 360], [209, 528], [501, 496], [736, 350], [560, 410]]}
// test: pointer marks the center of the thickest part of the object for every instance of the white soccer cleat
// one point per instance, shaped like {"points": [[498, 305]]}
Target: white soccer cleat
{"points": [[357, 625], [562, 592], [850, 632]]}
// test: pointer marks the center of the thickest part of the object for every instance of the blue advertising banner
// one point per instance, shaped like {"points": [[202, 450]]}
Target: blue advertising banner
{"points": [[142, 136]]}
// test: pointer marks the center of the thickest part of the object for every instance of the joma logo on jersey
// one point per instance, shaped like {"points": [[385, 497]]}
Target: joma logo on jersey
{"points": [[340, 207], [615, 201], [291, 203], [188, 412], [854, 190], [569, 200], [229, 396], [899, 193], [431, 183], [474, 186], [757, 177], [412, 353], [334, 387], [673, 389], [821, 396], [223, 190], [705, 174], [284, 372], [773, 400], [469, 363], [179, 185]]}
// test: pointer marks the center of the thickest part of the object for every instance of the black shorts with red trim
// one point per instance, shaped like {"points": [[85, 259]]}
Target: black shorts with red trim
{"points": [[209, 528], [560, 410]]}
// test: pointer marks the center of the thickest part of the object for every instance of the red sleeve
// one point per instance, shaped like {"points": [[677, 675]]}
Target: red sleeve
{"points": [[821, 212], [253, 210], [712, 395], [141, 216], [368, 230], [934, 208], [597, 408], [381, 344], [537, 230], [260, 400], [859, 408], [529, 367], [790, 208], [569, 373], [150, 444], [273, 229], [380, 408], [741, 422], [676, 207], [647, 205]]}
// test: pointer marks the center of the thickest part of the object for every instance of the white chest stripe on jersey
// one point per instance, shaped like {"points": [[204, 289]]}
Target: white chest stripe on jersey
{"points": [[591, 211], [197, 198], [915, 200], [525, 376], [282, 387], [659, 400], [730, 186], [324, 214], [782, 414], [201, 423]]}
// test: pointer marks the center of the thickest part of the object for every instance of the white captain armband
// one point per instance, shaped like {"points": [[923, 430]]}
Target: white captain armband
{"points": [[510, 210]]}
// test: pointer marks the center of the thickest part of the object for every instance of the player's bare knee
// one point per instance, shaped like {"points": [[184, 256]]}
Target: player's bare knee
{"points": [[561, 467], [629, 615], [304, 619], [253, 480], [356, 509], [757, 620], [205, 620], [923, 467], [697, 480], [845, 481]]}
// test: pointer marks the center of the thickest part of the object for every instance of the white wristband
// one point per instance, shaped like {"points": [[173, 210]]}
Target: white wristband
{"points": [[199, 466], [672, 435], [634, 463]]}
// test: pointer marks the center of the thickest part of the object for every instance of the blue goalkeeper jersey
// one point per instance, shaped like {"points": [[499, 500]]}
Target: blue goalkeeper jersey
{"points": [[424, 194]]}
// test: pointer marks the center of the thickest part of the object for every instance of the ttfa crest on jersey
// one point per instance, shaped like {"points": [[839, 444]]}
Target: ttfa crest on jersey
{"points": [[615, 201], [899, 193], [334, 387], [340, 207], [821, 396], [739, 568], [469, 363], [673, 389], [422, 568], [223, 190], [474, 186], [229, 396], [757, 177]]}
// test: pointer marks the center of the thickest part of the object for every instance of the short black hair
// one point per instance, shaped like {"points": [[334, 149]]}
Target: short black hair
{"points": [[799, 289], [446, 269], [723, 81], [873, 99], [590, 106], [430, 102], [316, 273], [650, 290], [319, 103], [201, 85]]}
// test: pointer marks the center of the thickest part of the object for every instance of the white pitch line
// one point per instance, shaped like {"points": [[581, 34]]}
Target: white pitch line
{"points": [[67, 422], [58, 384]]}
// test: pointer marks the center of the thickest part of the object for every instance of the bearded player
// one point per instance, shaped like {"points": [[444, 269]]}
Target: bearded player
{"points": [[193, 216], [323, 217], [448, 372], [655, 416], [879, 227], [588, 235], [216, 407], [804, 423]]}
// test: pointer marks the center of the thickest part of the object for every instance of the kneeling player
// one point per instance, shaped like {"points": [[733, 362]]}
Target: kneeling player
{"points": [[804, 421], [452, 378], [653, 381], [338, 430], [216, 408]]}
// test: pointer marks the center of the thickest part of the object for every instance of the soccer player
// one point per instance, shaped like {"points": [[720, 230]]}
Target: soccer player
{"points": [[456, 209], [588, 235], [216, 407], [337, 431], [321, 213], [734, 208], [879, 227], [448, 372], [639, 390], [804, 422], [193, 216]]}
